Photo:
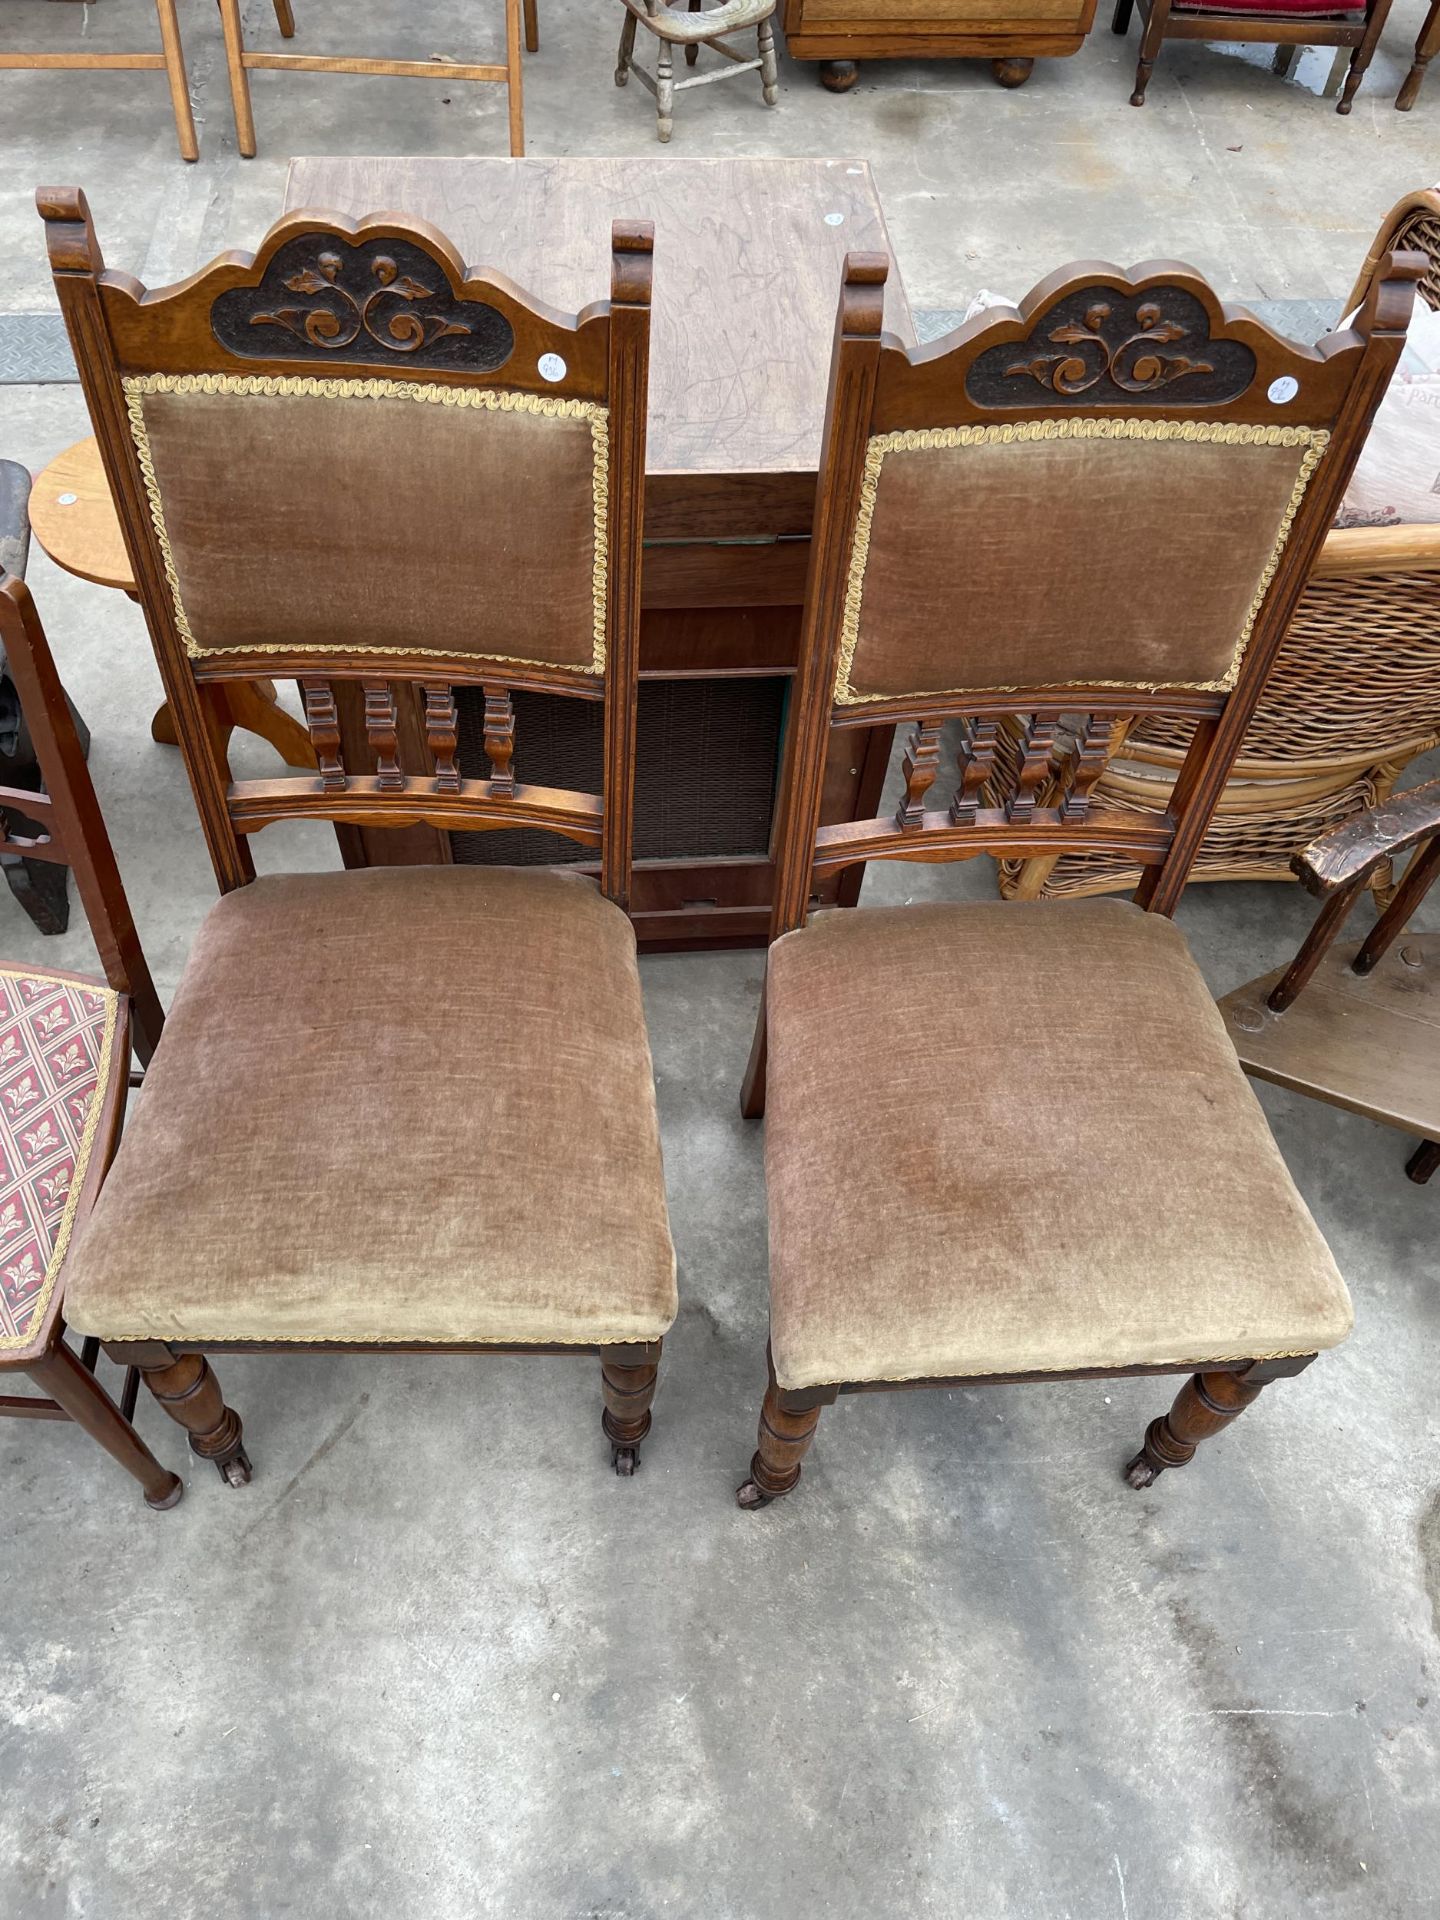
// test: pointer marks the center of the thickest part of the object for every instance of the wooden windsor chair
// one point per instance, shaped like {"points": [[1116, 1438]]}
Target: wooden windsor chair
{"points": [[697, 26]]}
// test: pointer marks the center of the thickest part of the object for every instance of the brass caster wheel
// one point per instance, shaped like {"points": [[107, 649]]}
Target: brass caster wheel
{"points": [[236, 1472], [1140, 1473]]}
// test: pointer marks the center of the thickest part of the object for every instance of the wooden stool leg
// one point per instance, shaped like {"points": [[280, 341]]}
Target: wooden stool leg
{"points": [[532, 26], [769, 66], [692, 47], [784, 1440], [1204, 1405], [189, 1392], [627, 50], [239, 78], [1363, 54], [628, 1392], [1410, 86], [665, 92], [72, 1385], [179, 85], [515, 80], [1423, 1161], [285, 19]]}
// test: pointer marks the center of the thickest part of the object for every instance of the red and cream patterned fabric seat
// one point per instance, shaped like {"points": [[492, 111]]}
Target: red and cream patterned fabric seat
{"points": [[64, 1044]]}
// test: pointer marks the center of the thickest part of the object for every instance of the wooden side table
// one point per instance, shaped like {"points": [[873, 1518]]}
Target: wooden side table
{"points": [[1010, 34], [73, 517]]}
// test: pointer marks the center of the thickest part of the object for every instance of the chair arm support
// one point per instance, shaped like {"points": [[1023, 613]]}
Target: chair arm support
{"points": [[14, 518], [1348, 853]]}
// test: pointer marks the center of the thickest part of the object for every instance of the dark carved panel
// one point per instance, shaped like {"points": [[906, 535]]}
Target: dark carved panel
{"points": [[381, 302], [1099, 347]]}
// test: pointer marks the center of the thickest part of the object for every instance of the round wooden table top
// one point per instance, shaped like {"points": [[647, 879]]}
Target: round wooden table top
{"points": [[73, 517]]}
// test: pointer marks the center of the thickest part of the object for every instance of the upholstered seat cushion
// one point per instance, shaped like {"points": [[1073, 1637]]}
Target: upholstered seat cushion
{"points": [[404, 1104], [1015, 1138]]}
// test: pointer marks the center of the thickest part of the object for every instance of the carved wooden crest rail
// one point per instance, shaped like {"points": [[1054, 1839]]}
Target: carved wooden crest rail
{"points": [[1102, 345], [381, 301]]}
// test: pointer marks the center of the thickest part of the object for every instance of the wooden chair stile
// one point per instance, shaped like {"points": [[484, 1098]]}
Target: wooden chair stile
{"points": [[65, 1045], [980, 548], [405, 487]]}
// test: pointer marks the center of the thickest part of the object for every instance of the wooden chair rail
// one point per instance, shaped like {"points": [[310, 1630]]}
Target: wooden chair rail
{"points": [[1342, 858], [474, 806], [993, 832]]}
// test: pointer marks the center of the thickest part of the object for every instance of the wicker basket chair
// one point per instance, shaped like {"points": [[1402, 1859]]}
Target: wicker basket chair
{"points": [[1353, 698]]}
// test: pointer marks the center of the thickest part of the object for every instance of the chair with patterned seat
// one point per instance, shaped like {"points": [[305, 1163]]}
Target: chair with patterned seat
{"points": [[1012, 1142], [1283, 23], [65, 1043], [404, 1108]]}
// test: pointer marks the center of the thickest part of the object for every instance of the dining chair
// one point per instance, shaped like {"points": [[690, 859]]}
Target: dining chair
{"points": [[400, 1108], [170, 61], [1427, 45], [1012, 1142], [241, 61], [65, 1044], [1357, 24], [1358, 1025], [694, 27]]}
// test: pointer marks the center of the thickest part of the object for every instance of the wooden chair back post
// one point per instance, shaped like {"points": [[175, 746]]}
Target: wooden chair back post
{"points": [[68, 810], [474, 525], [1125, 396]]}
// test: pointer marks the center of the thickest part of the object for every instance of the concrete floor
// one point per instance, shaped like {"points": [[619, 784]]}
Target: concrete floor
{"points": [[437, 1660]]}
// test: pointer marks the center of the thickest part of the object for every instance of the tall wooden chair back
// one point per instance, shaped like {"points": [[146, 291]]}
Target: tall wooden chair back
{"points": [[349, 461], [1100, 505]]}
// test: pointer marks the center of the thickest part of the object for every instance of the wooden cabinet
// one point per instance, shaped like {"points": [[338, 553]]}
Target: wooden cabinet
{"points": [[1011, 34]]}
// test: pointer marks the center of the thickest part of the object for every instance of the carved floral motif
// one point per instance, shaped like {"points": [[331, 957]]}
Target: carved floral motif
{"points": [[1135, 362], [401, 329]]}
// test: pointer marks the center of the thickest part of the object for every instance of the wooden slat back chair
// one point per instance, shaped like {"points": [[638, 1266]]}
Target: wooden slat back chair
{"points": [[242, 61], [65, 1042], [169, 60], [1364, 1033], [346, 462], [1012, 1141]]}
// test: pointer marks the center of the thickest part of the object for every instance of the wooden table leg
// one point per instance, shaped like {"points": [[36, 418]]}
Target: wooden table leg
{"points": [[252, 707]]}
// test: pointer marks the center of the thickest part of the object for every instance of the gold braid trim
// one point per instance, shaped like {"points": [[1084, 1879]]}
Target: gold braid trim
{"points": [[491, 400], [1313, 441], [82, 1158]]}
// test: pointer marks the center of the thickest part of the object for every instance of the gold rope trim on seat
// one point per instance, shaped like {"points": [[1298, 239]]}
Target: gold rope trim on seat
{"points": [[1313, 440], [82, 1155], [491, 400]]}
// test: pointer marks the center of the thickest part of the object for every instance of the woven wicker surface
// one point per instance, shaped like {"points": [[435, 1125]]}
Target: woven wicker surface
{"points": [[1354, 695]]}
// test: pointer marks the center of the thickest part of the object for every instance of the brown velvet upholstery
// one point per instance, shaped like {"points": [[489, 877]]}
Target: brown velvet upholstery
{"points": [[1005, 1139], [302, 520], [1047, 562], [393, 1105]]}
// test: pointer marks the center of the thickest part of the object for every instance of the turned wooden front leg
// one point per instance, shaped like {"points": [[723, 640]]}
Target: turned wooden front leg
{"points": [[1204, 1406], [189, 1392], [628, 1392], [784, 1440]]}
